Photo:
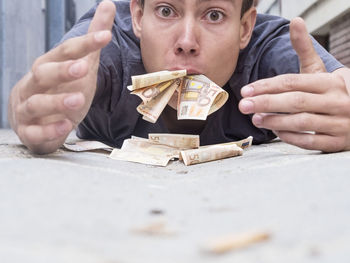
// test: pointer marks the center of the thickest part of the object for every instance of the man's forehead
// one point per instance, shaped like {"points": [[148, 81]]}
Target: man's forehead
{"points": [[234, 2]]}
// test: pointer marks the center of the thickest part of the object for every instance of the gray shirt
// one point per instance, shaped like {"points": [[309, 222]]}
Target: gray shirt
{"points": [[113, 118]]}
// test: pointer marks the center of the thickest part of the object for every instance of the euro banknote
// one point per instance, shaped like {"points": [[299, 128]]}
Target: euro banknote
{"points": [[197, 95]]}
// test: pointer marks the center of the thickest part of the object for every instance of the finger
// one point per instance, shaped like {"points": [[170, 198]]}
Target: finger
{"points": [[40, 134], [320, 142], [302, 122], [41, 105], [310, 61], [76, 48], [104, 17], [103, 20], [48, 75], [291, 102], [320, 83]]}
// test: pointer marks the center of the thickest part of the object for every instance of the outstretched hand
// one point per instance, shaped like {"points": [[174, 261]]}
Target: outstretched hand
{"points": [[54, 97], [313, 107]]}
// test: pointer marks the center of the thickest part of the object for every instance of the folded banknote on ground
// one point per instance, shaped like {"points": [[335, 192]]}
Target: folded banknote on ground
{"points": [[159, 149], [85, 146], [197, 96]]}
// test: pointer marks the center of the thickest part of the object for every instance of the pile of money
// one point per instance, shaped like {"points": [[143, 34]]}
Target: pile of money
{"points": [[197, 96], [159, 149]]}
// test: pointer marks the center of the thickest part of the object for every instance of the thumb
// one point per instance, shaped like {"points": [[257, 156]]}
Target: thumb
{"points": [[310, 61], [102, 21], [104, 17]]}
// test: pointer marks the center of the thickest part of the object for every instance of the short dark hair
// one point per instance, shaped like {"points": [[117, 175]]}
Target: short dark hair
{"points": [[245, 5]]}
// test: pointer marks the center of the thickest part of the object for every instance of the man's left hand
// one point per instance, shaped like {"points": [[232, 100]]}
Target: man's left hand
{"points": [[311, 109]]}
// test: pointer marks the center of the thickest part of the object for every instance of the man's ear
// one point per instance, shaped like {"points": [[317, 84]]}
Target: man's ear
{"points": [[247, 26], [136, 11]]}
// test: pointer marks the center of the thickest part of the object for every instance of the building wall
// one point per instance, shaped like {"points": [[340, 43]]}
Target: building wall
{"points": [[339, 40], [83, 6], [327, 20], [22, 40], [265, 6], [2, 32], [290, 9]]}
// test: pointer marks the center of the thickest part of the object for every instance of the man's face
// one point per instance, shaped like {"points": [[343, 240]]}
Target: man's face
{"points": [[202, 36]]}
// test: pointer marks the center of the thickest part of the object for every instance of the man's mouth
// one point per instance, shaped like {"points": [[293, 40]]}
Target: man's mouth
{"points": [[190, 70]]}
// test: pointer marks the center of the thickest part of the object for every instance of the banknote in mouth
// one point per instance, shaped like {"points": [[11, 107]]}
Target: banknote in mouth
{"points": [[196, 95]]}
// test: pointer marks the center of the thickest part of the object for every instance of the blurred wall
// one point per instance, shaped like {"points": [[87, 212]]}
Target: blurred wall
{"points": [[27, 29], [83, 6], [22, 40], [327, 20]]}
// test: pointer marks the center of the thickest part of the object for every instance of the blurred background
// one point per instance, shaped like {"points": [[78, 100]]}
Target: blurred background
{"points": [[28, 28], [327, 20]]}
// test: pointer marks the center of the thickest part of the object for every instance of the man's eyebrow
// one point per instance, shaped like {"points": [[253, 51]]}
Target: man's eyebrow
{"points": [[199, 1]]}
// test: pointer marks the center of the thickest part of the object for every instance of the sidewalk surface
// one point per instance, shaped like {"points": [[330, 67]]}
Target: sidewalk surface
{"points": [[85, 207]]}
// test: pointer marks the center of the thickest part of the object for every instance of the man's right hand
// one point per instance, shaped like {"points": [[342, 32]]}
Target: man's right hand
{"points": [[55, 96]]}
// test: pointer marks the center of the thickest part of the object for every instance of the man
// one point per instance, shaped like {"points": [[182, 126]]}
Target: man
{"points": [[211, 37]]}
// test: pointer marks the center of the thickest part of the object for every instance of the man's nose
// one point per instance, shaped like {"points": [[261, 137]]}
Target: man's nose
{"points": [[188, 38]]}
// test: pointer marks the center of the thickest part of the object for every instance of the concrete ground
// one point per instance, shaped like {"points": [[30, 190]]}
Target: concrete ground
{"points": [[85, 207]]}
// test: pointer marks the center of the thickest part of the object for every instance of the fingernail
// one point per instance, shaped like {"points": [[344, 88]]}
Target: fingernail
{"points": [[62, 128], [75, 69], [100, 36], [247, 91], [72, 101], [257, 120], [247, 106]]}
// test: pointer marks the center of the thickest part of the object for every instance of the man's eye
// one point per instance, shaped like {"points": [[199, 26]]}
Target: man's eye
{"points": [[215, 16], [165, 11]]}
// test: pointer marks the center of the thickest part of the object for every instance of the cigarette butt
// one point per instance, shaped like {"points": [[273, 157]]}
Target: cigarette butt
{"points": [[228, 243], [157, 228]]}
